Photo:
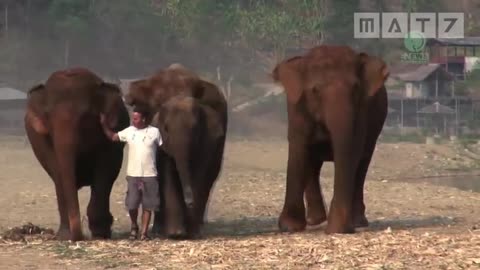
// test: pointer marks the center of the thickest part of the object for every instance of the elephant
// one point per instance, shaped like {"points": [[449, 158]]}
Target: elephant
{"points": [[190, 130], [192, 114], [336, 107], [62, 126]]}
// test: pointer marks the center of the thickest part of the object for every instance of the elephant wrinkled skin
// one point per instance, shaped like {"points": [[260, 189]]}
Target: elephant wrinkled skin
{"points": [[62, 126], [191, 114], [337, 105]]}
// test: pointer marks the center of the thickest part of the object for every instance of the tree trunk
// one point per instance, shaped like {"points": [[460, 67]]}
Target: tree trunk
{"points": [[229, 87]]}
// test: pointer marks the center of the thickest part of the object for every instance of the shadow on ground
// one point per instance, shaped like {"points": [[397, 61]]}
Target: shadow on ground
{"points": [[256, 226]]}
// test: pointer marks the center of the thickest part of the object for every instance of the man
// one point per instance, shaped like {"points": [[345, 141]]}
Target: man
{"points": [[143, 141]]}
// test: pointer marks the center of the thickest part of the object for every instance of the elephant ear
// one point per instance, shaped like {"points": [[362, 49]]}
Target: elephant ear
{"points": [[104, 94], [158, 121], [35, 115], [373, 71], [35, 88], [289, 74]]}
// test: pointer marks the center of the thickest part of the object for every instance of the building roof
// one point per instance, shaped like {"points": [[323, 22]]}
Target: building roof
{"points": [[436, 108], [466, 41], [8, 93], [422, 72]]}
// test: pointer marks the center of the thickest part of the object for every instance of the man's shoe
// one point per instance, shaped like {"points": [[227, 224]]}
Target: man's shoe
{"points": [[133, 233]]}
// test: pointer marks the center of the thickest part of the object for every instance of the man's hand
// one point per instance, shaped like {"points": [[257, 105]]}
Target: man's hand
{"points": [[102, 119], [110, 134]]}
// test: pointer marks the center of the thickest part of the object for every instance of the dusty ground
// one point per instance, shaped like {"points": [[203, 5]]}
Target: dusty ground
{"points": [[413, 225]]}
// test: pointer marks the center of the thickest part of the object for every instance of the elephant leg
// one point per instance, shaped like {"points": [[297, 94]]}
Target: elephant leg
{"points": [[211, 176], [196, 214], [63, 232], [359, 218], [376, 118], [43, 151], [107, 168], [292, 218], [316, 213], [175, 210], [65, 143], [158, 227], [341, 123]]}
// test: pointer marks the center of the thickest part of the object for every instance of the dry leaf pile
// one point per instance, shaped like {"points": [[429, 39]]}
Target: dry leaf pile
{"points": [[310, 250], [22, 233]]}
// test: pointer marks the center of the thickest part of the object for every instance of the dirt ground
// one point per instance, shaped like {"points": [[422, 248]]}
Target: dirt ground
{"points": [[414, 225]]}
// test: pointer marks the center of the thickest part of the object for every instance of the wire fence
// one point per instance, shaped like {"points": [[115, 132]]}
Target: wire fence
{"points": [[448, 116]]}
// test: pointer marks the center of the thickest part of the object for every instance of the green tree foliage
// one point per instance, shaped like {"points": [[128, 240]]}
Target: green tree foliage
{"points": [[125, 38]]}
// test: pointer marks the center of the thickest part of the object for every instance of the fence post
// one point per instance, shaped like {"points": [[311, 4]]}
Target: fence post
{"points": [[456, 116], [416, 114]]}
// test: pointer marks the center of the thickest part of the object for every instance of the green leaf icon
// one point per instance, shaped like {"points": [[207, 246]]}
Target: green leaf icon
{"points": [[414, 41]]}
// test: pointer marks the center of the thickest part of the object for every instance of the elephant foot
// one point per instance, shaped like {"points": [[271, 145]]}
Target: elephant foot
{"points": [[101, 227], [345, 229], [77, 236], [63, 234], [157, 230], [316, 219], [360, 221], [335, 226], [104, 234], [194, 231], [289, 224], [339, 221], [177, 234]]}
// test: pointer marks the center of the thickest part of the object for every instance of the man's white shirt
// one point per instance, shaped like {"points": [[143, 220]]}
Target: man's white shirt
{"points": [[142, 149]]}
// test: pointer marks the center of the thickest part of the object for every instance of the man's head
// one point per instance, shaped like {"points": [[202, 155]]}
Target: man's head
{"points": [[140, 116]]}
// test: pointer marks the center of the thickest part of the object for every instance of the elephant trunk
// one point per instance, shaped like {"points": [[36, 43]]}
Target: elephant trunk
{"points": [[185, 158], [184, 172]]}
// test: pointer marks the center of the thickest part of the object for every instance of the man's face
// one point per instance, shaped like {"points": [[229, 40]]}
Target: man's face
{"points": [[138, 120]]}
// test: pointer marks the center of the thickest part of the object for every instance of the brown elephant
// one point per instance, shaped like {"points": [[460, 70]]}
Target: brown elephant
{"points": [[337, 105], [62, 126], [193, 143], [191, 114]]}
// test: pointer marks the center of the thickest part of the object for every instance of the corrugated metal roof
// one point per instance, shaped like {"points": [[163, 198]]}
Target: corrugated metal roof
{"points": [[422, 72], [437, 108], [8, 93]]}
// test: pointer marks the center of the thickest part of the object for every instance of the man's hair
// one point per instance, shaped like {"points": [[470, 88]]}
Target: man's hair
{"points": [[142, 110]]}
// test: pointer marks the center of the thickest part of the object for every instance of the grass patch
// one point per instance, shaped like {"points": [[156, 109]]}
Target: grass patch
{"points": [[70, 251], [396, 138]]}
